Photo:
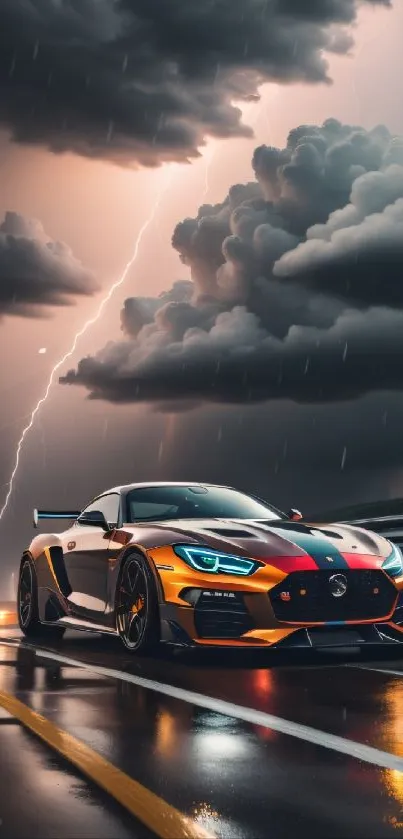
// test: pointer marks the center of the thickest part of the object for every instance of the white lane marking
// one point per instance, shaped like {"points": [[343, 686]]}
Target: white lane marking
{"points": [[376, 670], [360, 751]]}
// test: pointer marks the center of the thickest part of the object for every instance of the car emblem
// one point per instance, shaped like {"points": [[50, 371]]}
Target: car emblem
{"points": [[338, 585], [329, 558]]}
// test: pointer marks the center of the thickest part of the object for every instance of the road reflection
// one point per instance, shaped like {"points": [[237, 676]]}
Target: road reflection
{"points": [[232, 777]]}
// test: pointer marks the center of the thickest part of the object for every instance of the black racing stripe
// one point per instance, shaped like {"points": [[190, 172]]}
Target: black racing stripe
{"points": [[313, 543]]}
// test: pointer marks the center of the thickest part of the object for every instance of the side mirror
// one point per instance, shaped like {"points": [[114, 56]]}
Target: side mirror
{"points": [[94, 518], [294, 515]]}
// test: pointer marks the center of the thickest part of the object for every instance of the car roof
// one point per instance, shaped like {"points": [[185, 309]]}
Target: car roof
{"points": [[151, 484]]}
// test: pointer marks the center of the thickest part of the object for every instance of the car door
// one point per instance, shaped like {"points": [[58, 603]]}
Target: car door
{"points": [[86, 555]]}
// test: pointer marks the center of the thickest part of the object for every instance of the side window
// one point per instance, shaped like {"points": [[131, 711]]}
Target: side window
{"points": [[108, 505]]}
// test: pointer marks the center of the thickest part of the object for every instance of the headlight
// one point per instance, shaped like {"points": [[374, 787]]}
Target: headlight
{"points": [[215, 562], [393, 564]]}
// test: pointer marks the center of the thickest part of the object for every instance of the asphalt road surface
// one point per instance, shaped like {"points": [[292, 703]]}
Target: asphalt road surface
{"points": [[243, 745]]}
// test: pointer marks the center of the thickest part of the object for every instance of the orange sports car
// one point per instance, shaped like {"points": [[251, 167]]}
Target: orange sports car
{"points": [[205, 565]]}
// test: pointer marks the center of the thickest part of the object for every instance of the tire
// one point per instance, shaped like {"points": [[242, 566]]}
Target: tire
{"points": [[27, 606], [136, 609]]}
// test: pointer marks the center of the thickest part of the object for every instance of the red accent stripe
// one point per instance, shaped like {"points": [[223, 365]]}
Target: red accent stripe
{"points": [[363, 560], [292, 563]]}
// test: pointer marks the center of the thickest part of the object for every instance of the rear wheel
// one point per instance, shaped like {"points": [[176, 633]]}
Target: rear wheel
{"points": [[137, 616], [27, 606]]}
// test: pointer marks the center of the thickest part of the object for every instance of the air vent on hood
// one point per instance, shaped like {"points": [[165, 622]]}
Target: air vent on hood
{"points": [[331, 533], [230, 533]]}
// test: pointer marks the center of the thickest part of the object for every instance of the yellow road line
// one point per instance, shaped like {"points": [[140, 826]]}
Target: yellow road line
{"points": [[165, 821]]}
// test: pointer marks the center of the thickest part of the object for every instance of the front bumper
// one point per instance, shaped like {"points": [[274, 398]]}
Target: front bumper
{"points": [[273, 609], [178, 627]]}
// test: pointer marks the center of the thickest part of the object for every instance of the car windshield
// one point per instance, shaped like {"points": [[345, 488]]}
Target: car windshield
{"points": [[160, 503]]}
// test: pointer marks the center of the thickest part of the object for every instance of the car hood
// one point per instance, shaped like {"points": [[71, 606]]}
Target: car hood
{"points": [[267, 539]]}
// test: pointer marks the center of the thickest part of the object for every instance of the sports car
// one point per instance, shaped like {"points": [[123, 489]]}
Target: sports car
{"points": [[202, 565]]}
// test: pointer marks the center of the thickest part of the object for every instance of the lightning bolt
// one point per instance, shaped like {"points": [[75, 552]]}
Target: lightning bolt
{"points": [[116, 285], [208, 161]]}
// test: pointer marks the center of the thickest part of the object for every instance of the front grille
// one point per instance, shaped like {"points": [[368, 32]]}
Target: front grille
{"points": [[221, 615], [306, 596]]}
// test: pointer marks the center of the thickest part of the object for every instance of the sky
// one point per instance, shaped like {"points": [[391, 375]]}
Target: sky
{"points": [[80, 176]]}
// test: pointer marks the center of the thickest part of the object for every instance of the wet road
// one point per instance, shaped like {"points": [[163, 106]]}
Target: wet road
{"points": [[40, 797], [220, 757]]}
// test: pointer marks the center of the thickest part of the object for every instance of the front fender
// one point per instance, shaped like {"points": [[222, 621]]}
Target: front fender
{"points": [[116, 563]]}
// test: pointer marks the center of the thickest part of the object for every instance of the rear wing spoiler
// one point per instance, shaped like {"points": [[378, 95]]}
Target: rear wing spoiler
{"points": [[54, 514]]}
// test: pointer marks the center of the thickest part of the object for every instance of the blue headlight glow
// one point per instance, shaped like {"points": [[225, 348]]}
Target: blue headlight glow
{"points": [[393, 564], [215, 562]]}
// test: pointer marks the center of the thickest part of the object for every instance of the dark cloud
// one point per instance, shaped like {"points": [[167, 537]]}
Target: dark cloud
{"points": [[140, 311], [358, 258], [36, 272], [297, 286], [140, 81], [237, 361]]}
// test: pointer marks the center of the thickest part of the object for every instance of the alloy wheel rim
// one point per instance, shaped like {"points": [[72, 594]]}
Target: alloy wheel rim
{"points": [[25, 598], [132, 605]]}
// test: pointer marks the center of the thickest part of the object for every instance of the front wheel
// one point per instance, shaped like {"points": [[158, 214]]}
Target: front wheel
{"points": [[137, 616], [27, 606]]}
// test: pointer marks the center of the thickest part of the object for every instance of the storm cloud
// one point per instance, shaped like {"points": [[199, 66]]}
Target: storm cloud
{"points": [[142, 81], [36, 272], [297, 286]]}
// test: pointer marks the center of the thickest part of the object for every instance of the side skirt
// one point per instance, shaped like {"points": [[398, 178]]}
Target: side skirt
{"points": [[85, 626]]}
